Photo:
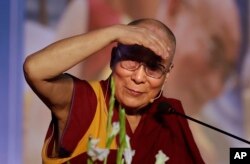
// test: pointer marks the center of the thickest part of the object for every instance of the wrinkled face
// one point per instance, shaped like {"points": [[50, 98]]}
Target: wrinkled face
{"points": [[135, 89]]}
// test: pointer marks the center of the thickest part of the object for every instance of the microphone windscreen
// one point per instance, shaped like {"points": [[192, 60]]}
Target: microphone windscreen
{"points": [[165, 107]]}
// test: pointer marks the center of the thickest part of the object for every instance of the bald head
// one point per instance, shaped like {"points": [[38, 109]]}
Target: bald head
{"points": [[159, 26]]}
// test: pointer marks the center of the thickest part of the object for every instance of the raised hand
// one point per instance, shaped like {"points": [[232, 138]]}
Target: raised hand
{"points": [[146, 36]]}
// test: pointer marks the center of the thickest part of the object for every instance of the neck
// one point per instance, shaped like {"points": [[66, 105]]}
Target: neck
{"points": [[133, 121]]}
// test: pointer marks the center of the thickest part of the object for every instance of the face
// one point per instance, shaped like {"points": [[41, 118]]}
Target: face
{"points": [[134, 89]]}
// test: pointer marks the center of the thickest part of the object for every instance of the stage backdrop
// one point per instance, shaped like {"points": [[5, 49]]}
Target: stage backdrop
{"points": [[48, 21]]}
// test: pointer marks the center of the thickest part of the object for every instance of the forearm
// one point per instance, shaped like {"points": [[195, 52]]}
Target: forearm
{"points": [[58, 57], [62, 55]]}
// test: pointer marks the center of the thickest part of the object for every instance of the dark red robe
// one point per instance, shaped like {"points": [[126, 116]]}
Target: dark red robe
{"points": [[156, 131]]}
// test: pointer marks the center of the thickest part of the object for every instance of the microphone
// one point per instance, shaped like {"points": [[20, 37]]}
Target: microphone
{"points": [[163, 106]]}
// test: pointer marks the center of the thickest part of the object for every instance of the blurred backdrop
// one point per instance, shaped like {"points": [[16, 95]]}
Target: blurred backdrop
{"points": [[210, 74]]}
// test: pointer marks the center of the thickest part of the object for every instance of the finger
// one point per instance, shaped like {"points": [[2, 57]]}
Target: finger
{"points": [[158, 45], [163, 45], [155, 41], [144, 37]]}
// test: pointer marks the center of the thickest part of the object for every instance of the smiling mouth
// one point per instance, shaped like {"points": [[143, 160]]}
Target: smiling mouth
{"points": [[133, 92]]}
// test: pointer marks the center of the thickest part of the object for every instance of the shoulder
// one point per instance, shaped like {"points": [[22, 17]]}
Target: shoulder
{"points": [[82, 85], [88, 90], [83, 92]]}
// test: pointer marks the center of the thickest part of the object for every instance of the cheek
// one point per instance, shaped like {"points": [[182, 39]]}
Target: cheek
{"points": [[155, 87], [121, 77], [120, 72]]}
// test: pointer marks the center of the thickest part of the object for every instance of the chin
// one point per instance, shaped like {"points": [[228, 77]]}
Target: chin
{"points": [[133, 105]]}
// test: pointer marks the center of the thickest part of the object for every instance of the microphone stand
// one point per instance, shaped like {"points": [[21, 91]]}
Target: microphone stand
{"points": [[172, 111]]}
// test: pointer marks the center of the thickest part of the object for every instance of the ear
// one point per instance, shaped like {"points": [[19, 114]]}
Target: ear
{"points": [[173, 6], [167, 75]]}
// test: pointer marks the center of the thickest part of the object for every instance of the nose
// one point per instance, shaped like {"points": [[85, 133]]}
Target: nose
{"points": [[139, 75]]}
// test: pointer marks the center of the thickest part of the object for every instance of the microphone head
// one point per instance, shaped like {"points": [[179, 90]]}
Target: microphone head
{"points": [[165, 107]]}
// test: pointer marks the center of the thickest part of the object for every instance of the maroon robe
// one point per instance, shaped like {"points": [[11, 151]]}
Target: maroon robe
{"points": [[156, 130]]}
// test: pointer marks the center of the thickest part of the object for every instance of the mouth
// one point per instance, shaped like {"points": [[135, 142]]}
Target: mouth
{"points": [[134, 92]]}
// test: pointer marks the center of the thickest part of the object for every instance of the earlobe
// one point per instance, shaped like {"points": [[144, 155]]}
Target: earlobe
{"points": [[166, 77]]}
